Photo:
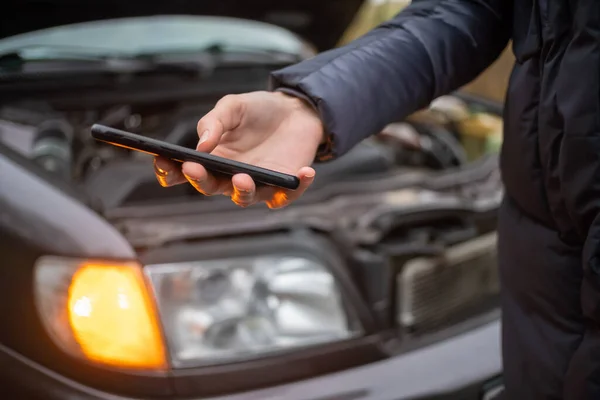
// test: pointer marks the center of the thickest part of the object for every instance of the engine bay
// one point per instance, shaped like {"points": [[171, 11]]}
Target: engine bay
{"points": [[58, 139]]}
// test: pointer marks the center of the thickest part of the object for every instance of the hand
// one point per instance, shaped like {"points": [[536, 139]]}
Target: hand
{"points": [[267, 129]]}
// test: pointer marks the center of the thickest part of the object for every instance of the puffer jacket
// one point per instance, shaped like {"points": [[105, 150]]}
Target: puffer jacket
{"points": [[549, 224]]}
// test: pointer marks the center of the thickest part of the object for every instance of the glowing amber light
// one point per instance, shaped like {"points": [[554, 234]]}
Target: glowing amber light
{"points": [[113, 318], [279, 199]]}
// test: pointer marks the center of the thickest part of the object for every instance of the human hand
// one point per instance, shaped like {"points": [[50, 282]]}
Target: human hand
{"points": [[268, 129]]}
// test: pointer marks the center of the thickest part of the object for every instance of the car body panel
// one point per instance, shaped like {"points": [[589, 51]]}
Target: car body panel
{"points": [[420, 373], [51, 218], [39, 216], [441, 368]]}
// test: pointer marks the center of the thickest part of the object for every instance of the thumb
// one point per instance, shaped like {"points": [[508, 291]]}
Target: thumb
{"points": [[225, 116]]}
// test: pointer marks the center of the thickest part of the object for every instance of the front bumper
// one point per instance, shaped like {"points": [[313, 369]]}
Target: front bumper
{"points": [[457, 367], [443, 368]]}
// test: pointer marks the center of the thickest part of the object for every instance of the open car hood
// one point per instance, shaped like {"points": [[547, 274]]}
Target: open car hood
{"points": [[321, 23]]}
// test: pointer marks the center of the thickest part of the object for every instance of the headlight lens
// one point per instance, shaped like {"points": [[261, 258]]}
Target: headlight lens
{"points": [[215, 310], [100, 311]]}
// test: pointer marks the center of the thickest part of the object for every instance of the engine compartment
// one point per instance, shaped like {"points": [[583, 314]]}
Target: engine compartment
{"points": [[55, 135], [43, 132]]}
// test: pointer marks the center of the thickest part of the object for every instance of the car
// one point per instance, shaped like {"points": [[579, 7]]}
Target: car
{"points": [[379, 283]]}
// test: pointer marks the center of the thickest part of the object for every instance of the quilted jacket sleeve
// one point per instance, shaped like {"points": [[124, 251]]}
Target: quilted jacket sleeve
{"points": [[429, 49]]}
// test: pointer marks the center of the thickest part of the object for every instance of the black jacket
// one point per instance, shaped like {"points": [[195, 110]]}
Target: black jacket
{"points": [[550, 159]]}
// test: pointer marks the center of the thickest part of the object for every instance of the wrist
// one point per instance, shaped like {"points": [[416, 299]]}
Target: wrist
{"points": [[324, 141], [305, 106]]}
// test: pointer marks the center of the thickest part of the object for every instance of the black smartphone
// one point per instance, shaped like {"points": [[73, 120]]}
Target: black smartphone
{"points": [[213, 164]]}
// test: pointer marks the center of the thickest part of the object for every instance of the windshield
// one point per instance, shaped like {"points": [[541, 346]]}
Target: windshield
{"points": [[153, 35]]}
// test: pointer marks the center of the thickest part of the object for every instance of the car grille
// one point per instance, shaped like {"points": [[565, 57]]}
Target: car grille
{"points": [[433, 292]]}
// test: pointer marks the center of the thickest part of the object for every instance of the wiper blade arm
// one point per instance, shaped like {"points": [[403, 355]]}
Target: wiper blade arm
{"points": [[203, 61], [61, 61]]}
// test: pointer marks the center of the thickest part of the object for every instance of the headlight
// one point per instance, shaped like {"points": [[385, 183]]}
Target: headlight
{"points": [[211, 311], [215, 310], [99, 311]]}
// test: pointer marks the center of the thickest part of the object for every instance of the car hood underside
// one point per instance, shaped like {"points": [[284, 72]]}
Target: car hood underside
{"points": [[320, 23]]}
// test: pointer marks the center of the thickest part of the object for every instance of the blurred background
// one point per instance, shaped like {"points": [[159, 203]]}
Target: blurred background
{"points": [[380, 283]]}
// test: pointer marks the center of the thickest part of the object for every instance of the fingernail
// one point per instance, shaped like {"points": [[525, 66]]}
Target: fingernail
{"points": [[203, 137], [310, 175]]}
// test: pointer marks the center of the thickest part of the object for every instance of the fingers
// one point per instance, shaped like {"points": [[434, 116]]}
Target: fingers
{"points": [[244, 190], [282, 198], [203, 181], [225, 116], [241, 188], [167, 172], [246, 194]]}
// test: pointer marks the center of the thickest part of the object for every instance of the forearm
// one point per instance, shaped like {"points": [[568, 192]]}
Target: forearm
{"points": [[429, 49]]}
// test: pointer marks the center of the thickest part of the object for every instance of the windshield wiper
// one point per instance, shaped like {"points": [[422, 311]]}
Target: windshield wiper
{"points": [[57, 59], [21, 61]]}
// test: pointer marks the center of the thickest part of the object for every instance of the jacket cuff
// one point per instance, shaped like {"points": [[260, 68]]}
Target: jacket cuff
{"points": [[325, 152]]}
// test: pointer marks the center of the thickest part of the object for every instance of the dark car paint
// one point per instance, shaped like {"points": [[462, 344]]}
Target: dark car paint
{"points": [[38, 218], [420, 374], [51, 218]]}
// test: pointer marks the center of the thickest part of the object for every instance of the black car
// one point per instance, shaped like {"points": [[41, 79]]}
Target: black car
{"points": [[380, 283]]}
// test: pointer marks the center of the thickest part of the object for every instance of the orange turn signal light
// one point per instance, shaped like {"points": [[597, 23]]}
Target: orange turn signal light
{"points": [[113, 317]]}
